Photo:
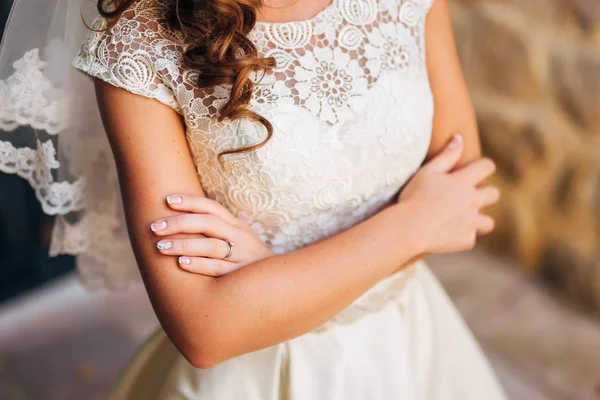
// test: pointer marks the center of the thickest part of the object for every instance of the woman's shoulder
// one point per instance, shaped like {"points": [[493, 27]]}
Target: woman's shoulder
{"points": [[142, 26], [139, 52]]}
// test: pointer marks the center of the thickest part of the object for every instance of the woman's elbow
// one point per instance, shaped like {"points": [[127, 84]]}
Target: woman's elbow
{"points": [[201, 361], [203, 350], [203, 358]]}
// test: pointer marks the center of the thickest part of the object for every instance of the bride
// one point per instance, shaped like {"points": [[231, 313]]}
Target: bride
{"points": [[283, 173]]}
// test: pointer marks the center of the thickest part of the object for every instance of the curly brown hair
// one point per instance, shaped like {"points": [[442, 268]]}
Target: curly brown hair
{"points": [[220, 50]]}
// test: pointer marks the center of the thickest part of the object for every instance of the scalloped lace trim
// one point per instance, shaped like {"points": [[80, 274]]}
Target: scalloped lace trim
{"points": [[35, 165], [25, 98]]}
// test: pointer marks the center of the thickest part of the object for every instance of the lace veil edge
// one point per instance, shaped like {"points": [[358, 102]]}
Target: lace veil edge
{"points": [[52, 136]]}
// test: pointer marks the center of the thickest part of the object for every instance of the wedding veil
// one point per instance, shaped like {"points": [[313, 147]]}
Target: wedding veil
{"points": [[52, 136]]}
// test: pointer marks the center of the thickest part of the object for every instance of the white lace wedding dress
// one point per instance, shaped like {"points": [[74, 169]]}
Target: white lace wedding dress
{"points": [[352, 111]]}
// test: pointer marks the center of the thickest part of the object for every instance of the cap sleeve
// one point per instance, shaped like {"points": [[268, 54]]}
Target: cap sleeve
{"points": [[137, 54]]}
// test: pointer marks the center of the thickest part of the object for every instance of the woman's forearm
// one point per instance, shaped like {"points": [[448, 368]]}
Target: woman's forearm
{"points": [[269, 301], [286, 295]]}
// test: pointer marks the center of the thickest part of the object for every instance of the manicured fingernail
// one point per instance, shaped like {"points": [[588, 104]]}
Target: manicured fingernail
{"points": [[164, 245], [456, 141], [184, 260], [174, 199], [158, 226]]}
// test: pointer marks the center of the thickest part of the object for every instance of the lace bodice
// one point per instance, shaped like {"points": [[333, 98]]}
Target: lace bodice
{"points": [[349, 101]]}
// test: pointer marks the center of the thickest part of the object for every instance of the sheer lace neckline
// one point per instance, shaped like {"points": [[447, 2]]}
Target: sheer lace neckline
{"points": [[331, 7]]}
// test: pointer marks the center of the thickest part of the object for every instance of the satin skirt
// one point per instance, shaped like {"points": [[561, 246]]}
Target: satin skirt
{"points": [[403, 340]]}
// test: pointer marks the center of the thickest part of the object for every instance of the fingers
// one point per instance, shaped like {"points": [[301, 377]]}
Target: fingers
{"points": [[206, 266], [448, 157], [193, 247], [207, 224], [477, 171], [200, 256], [488, 195], [200, 205], [485, 225]]}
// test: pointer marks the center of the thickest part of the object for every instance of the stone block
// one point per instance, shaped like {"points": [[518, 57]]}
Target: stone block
{"points": [[502, 54], [577, 81], [533, 69]]}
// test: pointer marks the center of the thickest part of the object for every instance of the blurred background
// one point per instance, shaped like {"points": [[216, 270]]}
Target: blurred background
{"points": [[530, 292]]}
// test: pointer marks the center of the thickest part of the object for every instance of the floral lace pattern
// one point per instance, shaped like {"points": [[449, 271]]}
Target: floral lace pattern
{"points": [[39, 111], [28, 98], [350, 85], [24, 97], [35, 165], [349, 100]]}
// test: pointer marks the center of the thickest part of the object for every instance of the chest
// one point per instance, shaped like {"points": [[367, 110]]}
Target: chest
{"points": [[350, 105]]}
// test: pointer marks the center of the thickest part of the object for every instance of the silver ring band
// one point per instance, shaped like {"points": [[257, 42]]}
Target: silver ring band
{"points": [[229, 250]]}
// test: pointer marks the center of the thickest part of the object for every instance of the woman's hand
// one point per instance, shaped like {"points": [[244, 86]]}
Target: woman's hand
{"points": [[447, 201], [216, 226]]}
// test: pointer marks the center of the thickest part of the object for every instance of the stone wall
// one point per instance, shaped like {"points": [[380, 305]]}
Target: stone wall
{"points": [[533, 68]]}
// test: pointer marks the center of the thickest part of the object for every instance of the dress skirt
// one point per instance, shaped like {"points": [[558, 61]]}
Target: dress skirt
{"points": [[403, 340]]}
